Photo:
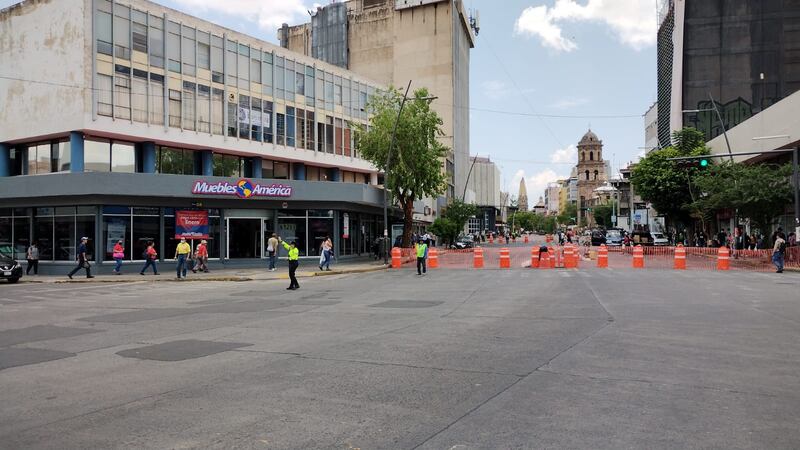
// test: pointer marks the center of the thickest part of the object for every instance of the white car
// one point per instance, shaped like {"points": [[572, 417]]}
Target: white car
{"points": [[659, 239]]}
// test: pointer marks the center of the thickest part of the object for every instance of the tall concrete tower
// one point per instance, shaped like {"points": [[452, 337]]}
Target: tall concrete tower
{"points": [[522, 202]]}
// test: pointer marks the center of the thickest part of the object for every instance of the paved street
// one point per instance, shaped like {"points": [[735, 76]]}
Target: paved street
{"points": [[456, 359]]}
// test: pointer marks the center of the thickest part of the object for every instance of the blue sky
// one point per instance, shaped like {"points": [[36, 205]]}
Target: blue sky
{"points": [[585, 58]]}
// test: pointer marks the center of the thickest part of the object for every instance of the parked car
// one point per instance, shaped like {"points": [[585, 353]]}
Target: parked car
{"points": [[463, 242], [598, 237], [10, 269], [614, 238], [659, 239]]}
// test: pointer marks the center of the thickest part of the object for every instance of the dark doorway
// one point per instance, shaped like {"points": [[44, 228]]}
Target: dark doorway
{"points": [[244, 238]]}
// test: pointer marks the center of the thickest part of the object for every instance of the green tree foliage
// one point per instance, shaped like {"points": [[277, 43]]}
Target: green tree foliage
{"points": [[603, 213], [759, 192], [415, 171], [451, 224], [529, 221], [445, 229], [569, 215], [662, 182]]}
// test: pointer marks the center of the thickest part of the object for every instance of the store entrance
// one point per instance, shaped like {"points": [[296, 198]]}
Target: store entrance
{"points": [[244, 238]]}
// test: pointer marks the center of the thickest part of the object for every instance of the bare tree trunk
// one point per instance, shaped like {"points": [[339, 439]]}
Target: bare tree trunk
{"points": [[408, 218]]}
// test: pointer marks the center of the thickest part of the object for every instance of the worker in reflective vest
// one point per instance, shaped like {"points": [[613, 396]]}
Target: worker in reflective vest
{"points": [[422, 254]]}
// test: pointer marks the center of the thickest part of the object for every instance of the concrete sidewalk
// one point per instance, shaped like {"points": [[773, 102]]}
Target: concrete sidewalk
{"points": [[167, 273]]}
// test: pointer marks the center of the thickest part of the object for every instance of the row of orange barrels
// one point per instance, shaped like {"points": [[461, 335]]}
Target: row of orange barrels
{"points": [[569, 258]]}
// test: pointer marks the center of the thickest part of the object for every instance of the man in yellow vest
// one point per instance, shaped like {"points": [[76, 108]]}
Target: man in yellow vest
{"points": [[294, 256], [181, 255], [422, 253]]}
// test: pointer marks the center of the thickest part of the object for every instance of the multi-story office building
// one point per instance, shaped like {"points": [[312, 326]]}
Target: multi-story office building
{"points": [[119, 119], [393, 41], [743, 54], [552, 197], [484, 183], [651, 129]]}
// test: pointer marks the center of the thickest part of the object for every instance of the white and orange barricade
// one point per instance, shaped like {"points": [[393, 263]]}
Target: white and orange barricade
{"points": [[477, 258], [505, 259], [569, 257], [602, 257], [433, 258], [723, 259], [544, 259], [680, 257], [534, 257], [396, 255], [638, 257]]}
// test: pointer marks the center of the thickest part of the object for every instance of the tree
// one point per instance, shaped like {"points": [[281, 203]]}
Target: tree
{"points": [[451, 224], [760, 192], [603, 213], [569, 215], [415, 170], [662, 182]]}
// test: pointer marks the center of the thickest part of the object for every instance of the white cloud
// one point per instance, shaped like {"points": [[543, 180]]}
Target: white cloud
{"points": [[567, 155], [269, 14], [633, 21], [494, 89], [534, 184], [568, 103]]}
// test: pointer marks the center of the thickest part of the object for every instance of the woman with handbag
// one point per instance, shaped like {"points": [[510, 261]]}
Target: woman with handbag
{"points": [[150, 257], [119, 255]]}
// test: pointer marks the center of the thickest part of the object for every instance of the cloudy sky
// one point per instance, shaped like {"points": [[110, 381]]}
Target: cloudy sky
{"points": [[542, 73]]}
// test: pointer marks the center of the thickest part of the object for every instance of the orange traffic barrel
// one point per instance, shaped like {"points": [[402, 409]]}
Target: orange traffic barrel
{"points": [[433, 258], [602, 257], [680, 257], [544, 259], [396, 258], [576, 254], [723, 259], [638, 257], [568, 257], [477, 259], [505, 259], [534, 257]]}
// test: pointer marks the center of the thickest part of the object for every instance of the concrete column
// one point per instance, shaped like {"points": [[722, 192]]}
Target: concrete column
{"points": [[5, 160], [76, 151], [336, 174], [299, 171], [148, 157], [373, 178], [208, 163], [256, 163], [197, 164]]}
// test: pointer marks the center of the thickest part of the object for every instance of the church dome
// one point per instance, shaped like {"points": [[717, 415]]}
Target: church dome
{"points": [[589, 138]]}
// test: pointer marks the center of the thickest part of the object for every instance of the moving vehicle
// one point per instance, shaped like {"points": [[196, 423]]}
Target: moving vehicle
{"points": [[614, 238], [659, 239], [10, 269], [463, 242], [598, 237]]}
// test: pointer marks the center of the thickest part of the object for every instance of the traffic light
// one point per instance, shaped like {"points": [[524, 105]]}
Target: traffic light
{"points": [[704, 162], [699, 163]]}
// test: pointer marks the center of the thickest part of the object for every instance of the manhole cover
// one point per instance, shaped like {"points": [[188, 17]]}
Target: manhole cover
{"points": [[405, 304]]}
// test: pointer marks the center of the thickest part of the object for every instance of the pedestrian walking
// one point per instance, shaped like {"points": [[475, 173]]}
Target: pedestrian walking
{"points": [[150, 256], [32, 255], [294, 256], [778, 252], [83, 260], [118, 255], [326, 254], [272, 251], [422, 254], [201, 257], [182, 252]]}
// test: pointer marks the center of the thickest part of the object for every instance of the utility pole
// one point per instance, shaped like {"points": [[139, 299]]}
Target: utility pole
{"points": [[796, 185]]}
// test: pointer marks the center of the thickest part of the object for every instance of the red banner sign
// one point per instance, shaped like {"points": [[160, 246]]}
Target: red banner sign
{"points": [[191, 224]]}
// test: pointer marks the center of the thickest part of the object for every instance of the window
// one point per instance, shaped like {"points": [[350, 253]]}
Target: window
{"points": [[217, 112], [233, 113], [587, 175], [156, 98], [348, 105], [255, 69], [337, 91], [139, 96], [105, 91], [347, 140], [281, 170], [122, 94], [227, 165], [203, 55], [312, 173], [328, 95], [309, 93], [244, 71], [301, 128], [216, 59], [596, 173], [174, 46], [156, 36], [266, 74], [123, 157], [139, 34], [267, 169], [338, 137], [203, 109], [300, 81], [174, 108], [188, 49], [319, 89], [175, 161], [39, 159], [279, 77], [61, 157], [244, 116], [230, 63], [103, 24], [96, 156], [591, 156], [328, 134], [280, 123], [255, 119], [266, 120], [122, 30], [188, 105], [309, 130], [320, 136], [289, 81], [290, 127]]}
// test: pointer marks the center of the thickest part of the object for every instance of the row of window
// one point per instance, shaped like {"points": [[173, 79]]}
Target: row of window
{"points": [[183, 50], [117, 156]]}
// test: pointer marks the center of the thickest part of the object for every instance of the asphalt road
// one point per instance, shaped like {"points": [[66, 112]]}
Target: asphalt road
{"points": [[456, 359]]}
